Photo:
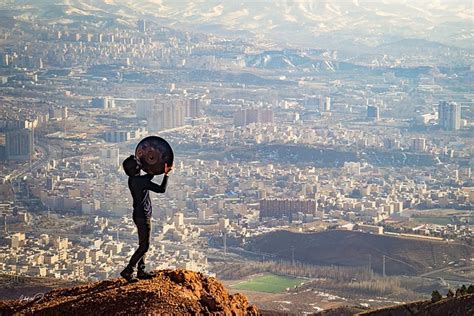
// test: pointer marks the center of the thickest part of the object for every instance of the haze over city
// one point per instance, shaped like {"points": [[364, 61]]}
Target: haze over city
{"points": [[323, 150]]}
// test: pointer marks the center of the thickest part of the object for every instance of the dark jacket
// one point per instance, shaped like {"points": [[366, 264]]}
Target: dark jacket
{"points": [[139, 187]]}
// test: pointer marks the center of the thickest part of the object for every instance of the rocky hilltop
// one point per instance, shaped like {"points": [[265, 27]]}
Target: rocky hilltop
{"points": [[169, 292]]}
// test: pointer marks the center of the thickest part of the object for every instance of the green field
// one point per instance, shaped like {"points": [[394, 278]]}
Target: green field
{"points": [[269, 283]]}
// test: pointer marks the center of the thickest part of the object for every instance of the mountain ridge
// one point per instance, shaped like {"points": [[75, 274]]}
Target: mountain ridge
{"points": [[362, 24]]}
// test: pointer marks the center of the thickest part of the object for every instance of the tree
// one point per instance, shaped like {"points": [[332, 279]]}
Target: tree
{"points": [[470, 289], [450, 293], [459, 293], [435, 296]]}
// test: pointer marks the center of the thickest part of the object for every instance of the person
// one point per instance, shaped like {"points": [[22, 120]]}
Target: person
{"points": [[139, 186]]}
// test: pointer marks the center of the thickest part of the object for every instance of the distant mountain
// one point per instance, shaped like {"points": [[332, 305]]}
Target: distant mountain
{"points": [[356, 24]]}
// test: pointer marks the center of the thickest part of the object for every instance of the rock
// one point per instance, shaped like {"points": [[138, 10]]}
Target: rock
{"points": [[169, 292]]}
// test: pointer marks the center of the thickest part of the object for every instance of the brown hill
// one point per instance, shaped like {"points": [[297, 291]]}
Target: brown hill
{"points": [[455, 306], [169, 292], [352, 248]]}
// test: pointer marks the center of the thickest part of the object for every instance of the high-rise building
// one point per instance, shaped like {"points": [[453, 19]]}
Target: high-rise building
{"points": [[4, 59], [165, 114], [449, 115], [244, 117], [141, 26], [240, 117], [143, 108], [326, 106], [117, 136], [277, 208], [192, 107], [178, 219], [373, 112], [19, 144]]}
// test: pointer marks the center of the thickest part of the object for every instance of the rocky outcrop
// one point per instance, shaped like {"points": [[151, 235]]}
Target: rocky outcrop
{"points": [[169, 292]]}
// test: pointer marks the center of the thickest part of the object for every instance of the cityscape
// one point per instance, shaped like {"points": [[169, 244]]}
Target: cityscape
{"points": [[282, 152]]}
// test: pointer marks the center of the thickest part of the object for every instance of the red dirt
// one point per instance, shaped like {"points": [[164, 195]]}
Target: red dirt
{"points": [[169, 292]]}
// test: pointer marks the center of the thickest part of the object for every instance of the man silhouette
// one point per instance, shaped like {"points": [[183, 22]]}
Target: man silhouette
{"points": [[139, 186]]}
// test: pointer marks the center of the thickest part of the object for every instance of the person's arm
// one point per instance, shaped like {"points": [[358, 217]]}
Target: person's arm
{"points": [[148, 176], [158, 188]]}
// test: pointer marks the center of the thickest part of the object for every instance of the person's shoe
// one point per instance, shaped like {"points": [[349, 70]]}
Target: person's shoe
{"points": [[144, 275], [127, 274]]}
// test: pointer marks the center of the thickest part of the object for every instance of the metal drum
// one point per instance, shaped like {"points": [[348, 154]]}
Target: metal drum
{"points": [[153, 152]]}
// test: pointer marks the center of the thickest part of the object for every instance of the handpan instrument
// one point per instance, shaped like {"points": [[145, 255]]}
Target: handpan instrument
{"points": [[153, 152]]}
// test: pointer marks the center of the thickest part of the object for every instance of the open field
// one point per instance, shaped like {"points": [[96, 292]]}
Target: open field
{"points": [[269, 283]]}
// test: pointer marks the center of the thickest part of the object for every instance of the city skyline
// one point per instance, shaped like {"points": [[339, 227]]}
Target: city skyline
{"points": [[329, 142]]}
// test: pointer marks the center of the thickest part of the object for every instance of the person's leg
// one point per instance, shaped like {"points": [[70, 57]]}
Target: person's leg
{"points": [[143, 227], [145, 239], [141, 272], [143, 244]]}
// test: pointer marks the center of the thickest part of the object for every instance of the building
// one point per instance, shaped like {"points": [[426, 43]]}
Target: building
{"points": [[192, 107], [278, 208], [378, 230], [4, 59], [391, 143], [19, 144], [58, 113], [103, 103], [110, 157], [18, 240], [141, 26], [178, 219], [312, 102], [449, 115], [223, 223], [124, 134], [418, 144], [373, 112], [317, 102], [117, 136], [166, 114], [143, 108], [245, 117], [326, 106]]}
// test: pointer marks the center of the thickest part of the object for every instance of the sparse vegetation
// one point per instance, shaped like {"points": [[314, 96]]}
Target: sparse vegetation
{"points": [[435, 296], [240, 270]]}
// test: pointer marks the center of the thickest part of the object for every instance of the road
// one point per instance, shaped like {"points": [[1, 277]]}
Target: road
{"points": [[42, 160]]}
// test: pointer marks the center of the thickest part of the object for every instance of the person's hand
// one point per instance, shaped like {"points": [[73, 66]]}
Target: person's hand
{"points": [[168, 169]]}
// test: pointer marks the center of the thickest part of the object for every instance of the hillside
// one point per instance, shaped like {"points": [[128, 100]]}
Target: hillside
{"points": [[463, 305], [170, 292], [353, 248], [12, 287], [359, 23]]}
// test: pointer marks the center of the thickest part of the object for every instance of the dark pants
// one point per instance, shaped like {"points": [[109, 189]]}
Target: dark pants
{"points": [[144, 229]]}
